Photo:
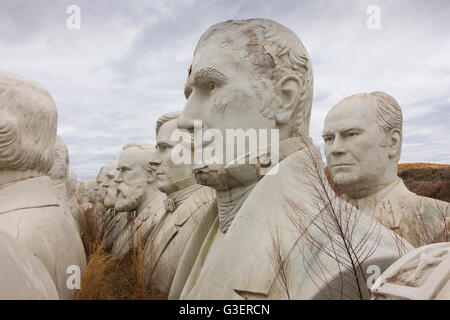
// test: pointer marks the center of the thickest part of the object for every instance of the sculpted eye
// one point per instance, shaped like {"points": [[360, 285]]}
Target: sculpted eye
{"points": [[212, 85], [327, 139]]}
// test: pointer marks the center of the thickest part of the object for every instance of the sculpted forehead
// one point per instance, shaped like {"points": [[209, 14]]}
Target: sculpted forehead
{"points": [[131, 157], [112, 169], [165, 132], [356, 111]]}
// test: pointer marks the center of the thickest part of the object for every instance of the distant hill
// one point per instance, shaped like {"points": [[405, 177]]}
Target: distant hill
{"points": [[407, 166]]}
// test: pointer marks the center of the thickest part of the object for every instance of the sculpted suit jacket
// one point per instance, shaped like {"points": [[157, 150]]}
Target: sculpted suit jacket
{"points": [[419, 220], [22, 275], [140, 228], [312, 261], [165, 247], [31, 214]]}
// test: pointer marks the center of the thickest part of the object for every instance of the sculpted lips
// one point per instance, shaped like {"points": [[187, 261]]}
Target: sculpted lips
{"points": [[341, 165]]}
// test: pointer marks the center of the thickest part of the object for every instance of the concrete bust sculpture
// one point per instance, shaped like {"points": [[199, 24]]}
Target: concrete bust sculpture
{"points": [[29, 210], [185, 205], [59, 173], [137, 194], [363, 139], [257, 75]]}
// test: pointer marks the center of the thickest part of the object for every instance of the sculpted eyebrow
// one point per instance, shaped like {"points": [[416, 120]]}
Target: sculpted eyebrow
{"points": [[209, 73], [351, 129]]}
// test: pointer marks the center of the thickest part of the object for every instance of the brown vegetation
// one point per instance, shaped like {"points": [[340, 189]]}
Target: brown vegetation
{"points": [[407, 166], [107, 277]]}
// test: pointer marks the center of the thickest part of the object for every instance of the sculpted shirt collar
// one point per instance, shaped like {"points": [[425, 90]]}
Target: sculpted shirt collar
{"points": [[24, 194], [230, 201]]}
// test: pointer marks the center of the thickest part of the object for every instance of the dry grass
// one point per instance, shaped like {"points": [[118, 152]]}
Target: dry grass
{"points": [[407, 166], [107, 277]]}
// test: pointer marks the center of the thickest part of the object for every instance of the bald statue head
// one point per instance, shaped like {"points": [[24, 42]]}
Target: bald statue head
{"points": [[28, 124], [249, 74], [134, 176], [363, 139]]}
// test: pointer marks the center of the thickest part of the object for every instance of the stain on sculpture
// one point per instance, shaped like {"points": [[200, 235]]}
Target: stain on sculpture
{"points": [[256, 74], [422, 274], [185, 205], [138, 195], [363, 139], [29, 209]]}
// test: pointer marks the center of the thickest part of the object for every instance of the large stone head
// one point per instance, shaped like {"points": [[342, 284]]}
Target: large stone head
{"points": [[363, 139], [109, 185], [169, 174], [249, 74], [60, 168], [134, 176], [100, 180], [28, 124], [92, 190]]}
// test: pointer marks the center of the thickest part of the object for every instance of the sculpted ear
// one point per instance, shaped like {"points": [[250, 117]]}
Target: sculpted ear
{"points": [[151, 176], [395, 142], [289, 90]]}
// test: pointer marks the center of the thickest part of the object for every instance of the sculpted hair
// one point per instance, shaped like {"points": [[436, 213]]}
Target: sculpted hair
{"points": [[166, 118], [274, 52], [28, 125], [389, 113]]}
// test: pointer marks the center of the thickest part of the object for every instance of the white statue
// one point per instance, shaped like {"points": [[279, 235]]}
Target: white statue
{"points": [[266, 234], [91, 186], [59, 173], [114, 223], [363, 139], [29, 209], [422, 274], [185, 205], [82, 197], [23, 276], [138, 195]]}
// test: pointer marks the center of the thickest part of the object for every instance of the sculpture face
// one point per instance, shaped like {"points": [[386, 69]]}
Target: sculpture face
{"points": [[91, 186], [110, 186], [101, 192], [131, 180], [355, 145], [225, 94], [167, 172]]}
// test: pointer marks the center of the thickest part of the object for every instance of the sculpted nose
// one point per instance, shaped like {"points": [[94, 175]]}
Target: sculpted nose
{"points": [[154, 161], [338, 147], [118, 178], [186, 123]]}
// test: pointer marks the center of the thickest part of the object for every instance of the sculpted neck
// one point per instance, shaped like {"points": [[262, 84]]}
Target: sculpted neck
{"points": [[361, 190], [10, 176], [229, 202]]}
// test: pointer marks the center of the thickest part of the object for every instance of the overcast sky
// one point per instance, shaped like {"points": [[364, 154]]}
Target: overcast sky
{"points": [[128, 63]]}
